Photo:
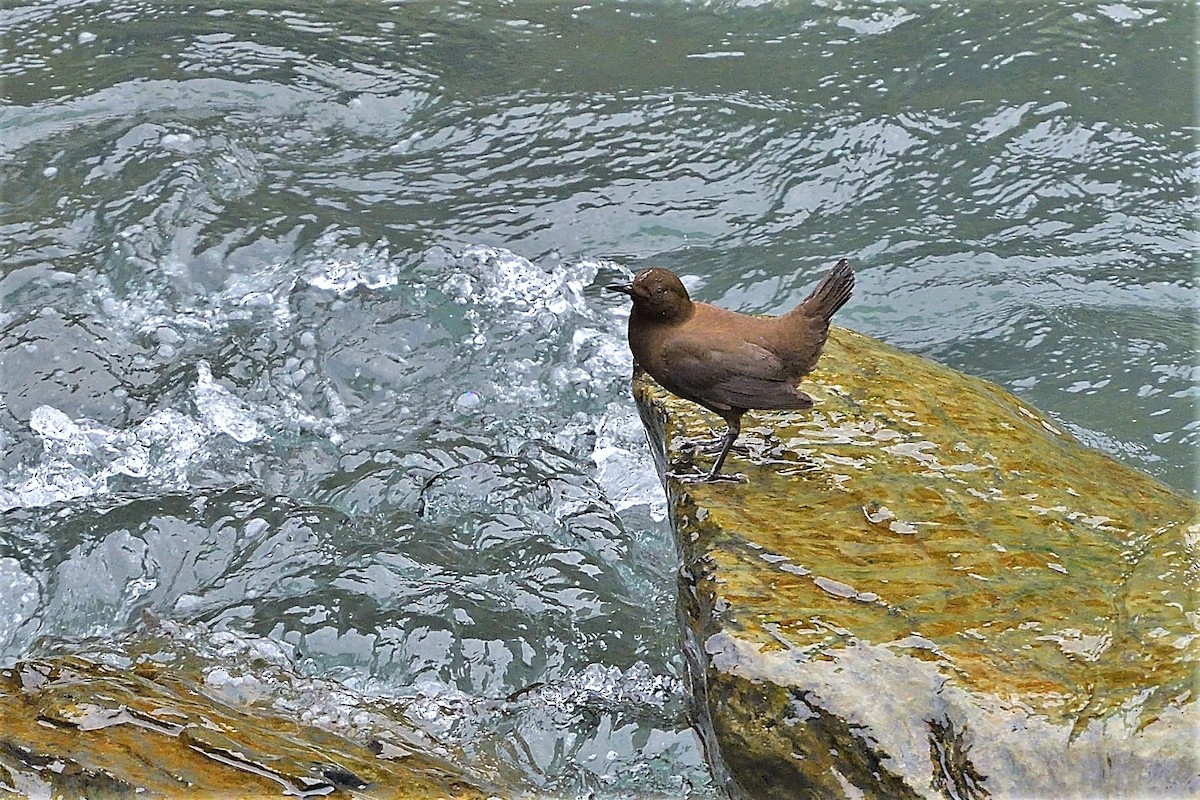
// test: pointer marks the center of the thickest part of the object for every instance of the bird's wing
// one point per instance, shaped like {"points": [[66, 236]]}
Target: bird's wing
{"points": [[745, 376]]}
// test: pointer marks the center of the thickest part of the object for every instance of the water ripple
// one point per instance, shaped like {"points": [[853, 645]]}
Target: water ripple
{"points": [[302, 332]]}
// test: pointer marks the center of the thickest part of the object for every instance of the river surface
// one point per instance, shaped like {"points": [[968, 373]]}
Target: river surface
{"points": [[304, 348]]}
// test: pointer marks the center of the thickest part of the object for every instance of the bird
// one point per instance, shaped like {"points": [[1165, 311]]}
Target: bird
{"points": [[724, 361]]}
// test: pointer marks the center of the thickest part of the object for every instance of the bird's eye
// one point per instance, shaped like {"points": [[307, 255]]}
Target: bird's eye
{"points": [[660, 289]]}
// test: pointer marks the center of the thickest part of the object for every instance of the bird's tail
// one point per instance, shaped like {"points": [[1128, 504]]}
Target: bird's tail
{"points": [[830, 294]]}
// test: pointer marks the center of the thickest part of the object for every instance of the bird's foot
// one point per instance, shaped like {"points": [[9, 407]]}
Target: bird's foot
{"points": [[706, 477], [690, 476], [713, 447]]}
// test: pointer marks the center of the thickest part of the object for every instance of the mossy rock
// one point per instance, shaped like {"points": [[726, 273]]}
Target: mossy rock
{"points": [[924, 588], [75, 728]]}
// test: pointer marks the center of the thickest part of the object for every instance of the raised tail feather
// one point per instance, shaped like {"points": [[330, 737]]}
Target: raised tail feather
{"points": [[830, 294]]}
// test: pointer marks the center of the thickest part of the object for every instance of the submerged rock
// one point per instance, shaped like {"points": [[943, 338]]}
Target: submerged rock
{"points": [[924, 588], [73, 727]]}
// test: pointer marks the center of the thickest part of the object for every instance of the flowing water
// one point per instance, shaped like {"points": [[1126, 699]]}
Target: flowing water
{"points": [[303, 346]]}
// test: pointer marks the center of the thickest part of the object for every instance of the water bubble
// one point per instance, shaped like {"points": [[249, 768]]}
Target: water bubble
{"points": [[467, 401], [168, 335], [178, 142]]}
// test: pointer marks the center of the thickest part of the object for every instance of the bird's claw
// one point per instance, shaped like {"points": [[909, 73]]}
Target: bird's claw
{"points": [[711, 448], [703, 477]]}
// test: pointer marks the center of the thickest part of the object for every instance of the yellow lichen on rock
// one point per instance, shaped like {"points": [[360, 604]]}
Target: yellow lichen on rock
{"points": [[928, 579], [77, 728]]}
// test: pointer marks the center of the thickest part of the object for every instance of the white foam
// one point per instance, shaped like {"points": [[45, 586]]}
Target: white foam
{"points": [[555, 346], [624, 467], [447, 712], [1123, 14], [221, 411], [81, 457], [878, 22], [364, 266], [593, 361], [584, 355], [499, 279], [20, 599], [344, 276]]}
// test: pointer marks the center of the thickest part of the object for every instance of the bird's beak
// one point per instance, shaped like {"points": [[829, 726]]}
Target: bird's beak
{"points": [[623, 288]]}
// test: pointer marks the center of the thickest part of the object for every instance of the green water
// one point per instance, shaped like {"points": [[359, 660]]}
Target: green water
{"points": [[302, 336]]}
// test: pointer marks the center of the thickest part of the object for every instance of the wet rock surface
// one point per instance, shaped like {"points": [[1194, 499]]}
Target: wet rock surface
{"points": [[924, 588], [74, 727]]}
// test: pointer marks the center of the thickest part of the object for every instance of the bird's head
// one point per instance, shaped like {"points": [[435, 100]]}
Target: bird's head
{"points": [[657, 294]]}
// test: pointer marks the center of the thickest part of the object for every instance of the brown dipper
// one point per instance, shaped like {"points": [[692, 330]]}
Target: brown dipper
{"points": [[729, 362]]}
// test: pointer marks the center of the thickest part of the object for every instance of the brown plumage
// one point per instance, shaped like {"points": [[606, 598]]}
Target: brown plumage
{"points": [[729, 362]]}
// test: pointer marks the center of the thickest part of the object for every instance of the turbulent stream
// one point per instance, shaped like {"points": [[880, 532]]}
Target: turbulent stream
{"points": [[303, 348]]}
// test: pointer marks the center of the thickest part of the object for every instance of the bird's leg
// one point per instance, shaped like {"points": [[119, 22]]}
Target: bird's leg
{"points": [[735, 427]]}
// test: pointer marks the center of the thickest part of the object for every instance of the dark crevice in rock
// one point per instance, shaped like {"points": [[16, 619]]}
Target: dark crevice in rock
{"points": [[953, 773]]}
